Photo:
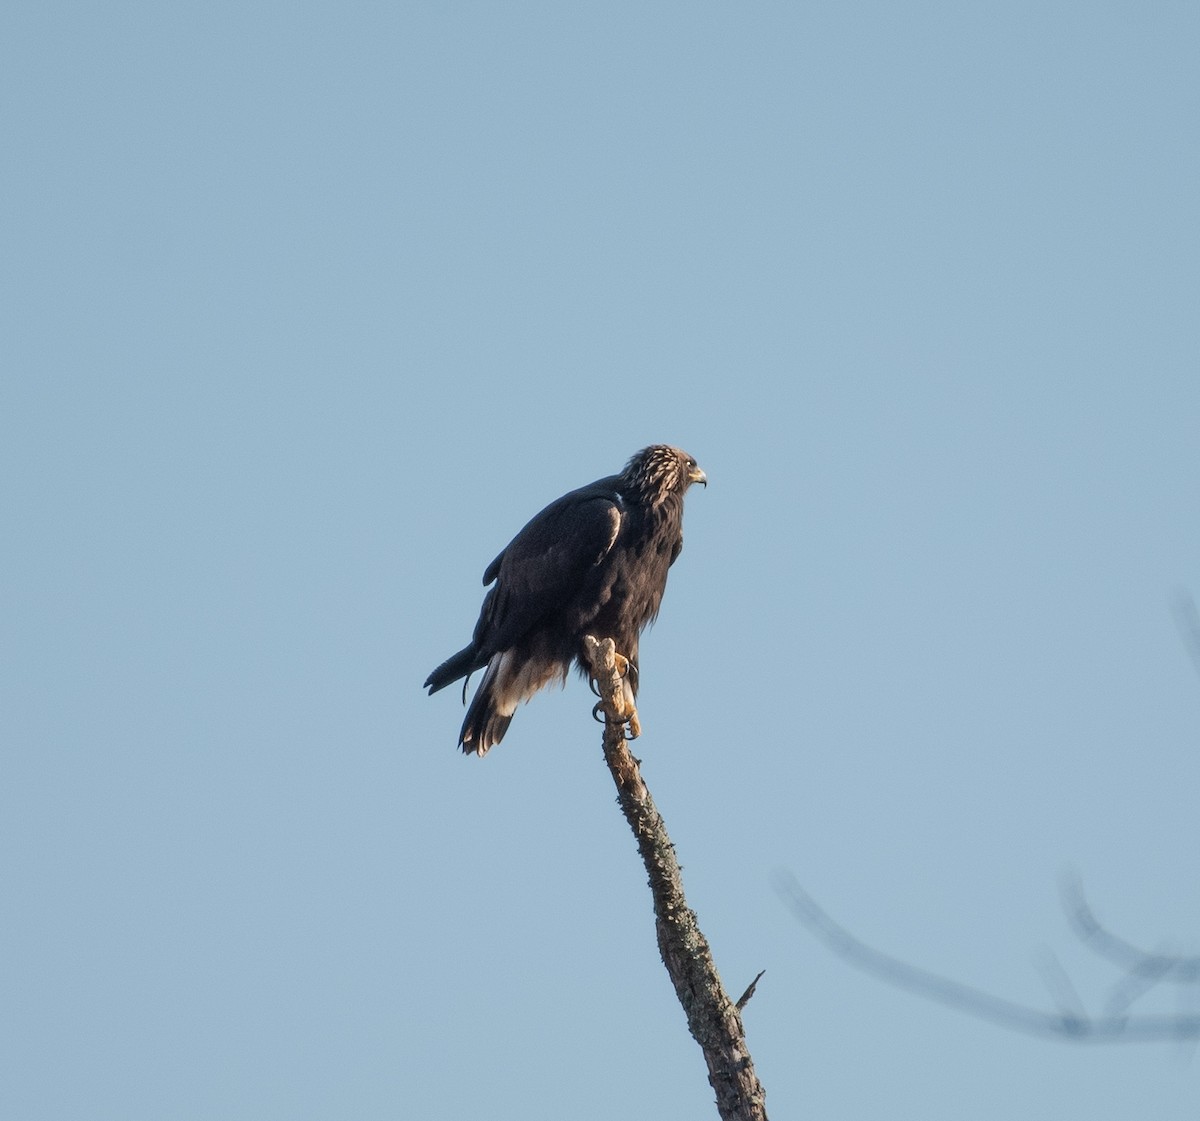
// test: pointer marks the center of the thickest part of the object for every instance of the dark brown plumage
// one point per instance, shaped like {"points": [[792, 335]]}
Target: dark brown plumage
{"points": [[593, 562]]}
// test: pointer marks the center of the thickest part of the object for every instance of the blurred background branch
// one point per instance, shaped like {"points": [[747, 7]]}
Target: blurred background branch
{"points": [[1187, 618], [1142, 972]]}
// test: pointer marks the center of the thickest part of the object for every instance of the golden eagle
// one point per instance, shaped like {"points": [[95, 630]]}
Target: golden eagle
{"points": [[592, 562]]}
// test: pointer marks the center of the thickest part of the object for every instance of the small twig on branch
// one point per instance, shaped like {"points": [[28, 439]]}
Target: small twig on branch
{"points": [[1073, 1026], [1070, 1005], [744, 999], [713, 1019]]}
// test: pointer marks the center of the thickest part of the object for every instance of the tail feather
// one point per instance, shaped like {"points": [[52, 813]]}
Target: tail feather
{"points": [[485, 723], [466, 661], [512, 676]]}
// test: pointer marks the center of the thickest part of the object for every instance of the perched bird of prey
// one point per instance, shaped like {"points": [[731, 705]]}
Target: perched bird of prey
{"points": [[592, 562]]}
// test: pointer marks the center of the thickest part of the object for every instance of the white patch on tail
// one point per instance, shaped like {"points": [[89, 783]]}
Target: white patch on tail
{"points": [[515, 684]]}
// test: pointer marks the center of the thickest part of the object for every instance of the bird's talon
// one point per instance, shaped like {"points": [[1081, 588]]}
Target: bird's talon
{"points": [[631, 726], [625, 666]]}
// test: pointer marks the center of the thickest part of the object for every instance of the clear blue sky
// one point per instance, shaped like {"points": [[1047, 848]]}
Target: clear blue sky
{"points": [[307, 308]]}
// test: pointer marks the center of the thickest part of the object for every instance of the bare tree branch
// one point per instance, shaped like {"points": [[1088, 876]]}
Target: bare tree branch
{"points": [[1129, 957], [713, 1019], [1187, 618], [1075, 1026]]}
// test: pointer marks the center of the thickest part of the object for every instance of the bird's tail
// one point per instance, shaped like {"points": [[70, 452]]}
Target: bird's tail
{"points": [[466, 661], [486, 720]]}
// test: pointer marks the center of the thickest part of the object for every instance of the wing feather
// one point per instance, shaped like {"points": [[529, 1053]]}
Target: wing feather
{"points": [[544, 566]]}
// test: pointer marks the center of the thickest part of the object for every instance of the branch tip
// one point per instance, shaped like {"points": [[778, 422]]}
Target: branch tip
{"points": [[744, 999]]}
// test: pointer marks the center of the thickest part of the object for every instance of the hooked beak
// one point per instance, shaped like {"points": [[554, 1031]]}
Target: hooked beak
{"points": [[695, 475]]}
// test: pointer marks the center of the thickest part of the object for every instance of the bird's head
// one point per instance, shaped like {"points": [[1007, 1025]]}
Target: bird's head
{"points": [[661, 471]]}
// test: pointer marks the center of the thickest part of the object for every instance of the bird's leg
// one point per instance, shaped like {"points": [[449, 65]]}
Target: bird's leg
{"points": [[625, 667], [609, 679]]}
